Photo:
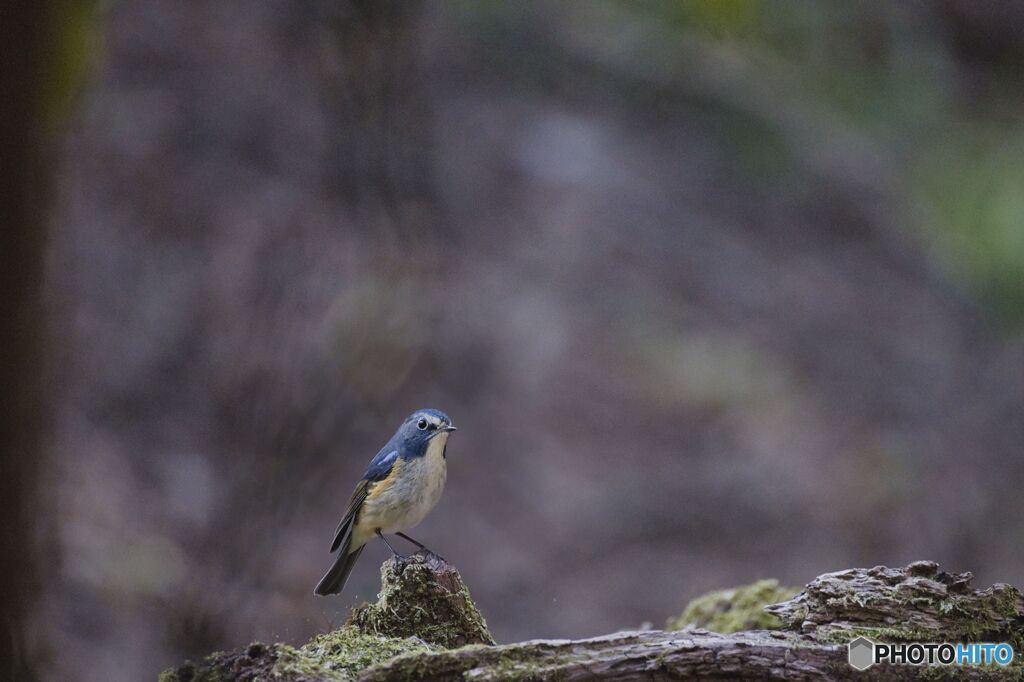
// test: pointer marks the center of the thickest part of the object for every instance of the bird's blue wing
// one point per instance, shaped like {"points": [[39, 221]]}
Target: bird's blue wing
{"points": [[380, 466]]}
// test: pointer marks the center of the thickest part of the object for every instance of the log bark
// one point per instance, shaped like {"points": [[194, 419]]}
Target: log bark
{"points": [[914, 604], [657, 655], [424, 616]]}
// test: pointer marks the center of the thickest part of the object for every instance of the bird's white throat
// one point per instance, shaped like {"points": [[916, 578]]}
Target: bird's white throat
{"points": [[435, 448]]}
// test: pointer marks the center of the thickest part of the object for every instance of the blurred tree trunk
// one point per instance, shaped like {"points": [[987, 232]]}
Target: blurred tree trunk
{"points": [[23, 28]]}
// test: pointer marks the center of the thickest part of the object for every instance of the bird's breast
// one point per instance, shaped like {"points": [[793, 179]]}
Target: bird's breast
{"points": [[404, 502]]}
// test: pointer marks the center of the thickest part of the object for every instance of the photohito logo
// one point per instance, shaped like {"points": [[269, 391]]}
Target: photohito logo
{"points": [[864, 653]]}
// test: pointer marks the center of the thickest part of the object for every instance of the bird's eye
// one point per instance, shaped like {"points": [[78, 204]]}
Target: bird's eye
{"points": [[421, 424]]}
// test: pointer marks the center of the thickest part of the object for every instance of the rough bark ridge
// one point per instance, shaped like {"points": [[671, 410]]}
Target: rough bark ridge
{"points": [[424, 611], [915, 603]]}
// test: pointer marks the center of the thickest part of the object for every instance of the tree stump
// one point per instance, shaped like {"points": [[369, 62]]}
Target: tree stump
{"points": [[423, 598]]}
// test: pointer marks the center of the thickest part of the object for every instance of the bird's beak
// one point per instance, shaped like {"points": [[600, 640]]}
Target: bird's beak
{"points": [[450, 428]]}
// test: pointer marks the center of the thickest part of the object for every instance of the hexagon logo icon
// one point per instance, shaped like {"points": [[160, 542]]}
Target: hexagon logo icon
{"points": [[861, 653]]}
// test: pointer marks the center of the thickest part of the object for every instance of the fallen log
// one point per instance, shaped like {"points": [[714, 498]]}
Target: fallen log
{"points": [[425, 626]]}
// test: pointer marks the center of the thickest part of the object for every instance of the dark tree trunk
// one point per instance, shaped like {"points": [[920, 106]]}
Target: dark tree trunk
{"points": [[22, 38]]}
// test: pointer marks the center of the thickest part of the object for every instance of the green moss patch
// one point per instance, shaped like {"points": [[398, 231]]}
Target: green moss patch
{"points": [[736, 609], [340, 655], [346, 651]]}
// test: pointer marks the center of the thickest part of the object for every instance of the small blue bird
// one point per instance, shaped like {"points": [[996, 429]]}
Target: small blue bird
{"points": [[400, 487]]}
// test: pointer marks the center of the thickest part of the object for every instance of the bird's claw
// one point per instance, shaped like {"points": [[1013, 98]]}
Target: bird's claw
{"points": [[430, 554]]}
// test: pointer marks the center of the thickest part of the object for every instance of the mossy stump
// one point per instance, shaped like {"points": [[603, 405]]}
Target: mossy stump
{"points": [[423, 607], [423, 597]]}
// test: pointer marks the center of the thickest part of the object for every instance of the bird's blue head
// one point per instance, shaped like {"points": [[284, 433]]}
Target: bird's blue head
{"points": [[421, 427]]}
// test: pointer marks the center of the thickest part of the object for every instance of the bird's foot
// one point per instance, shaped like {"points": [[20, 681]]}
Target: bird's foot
{"points": [[403, 558], [431, 554], [425, 553]]}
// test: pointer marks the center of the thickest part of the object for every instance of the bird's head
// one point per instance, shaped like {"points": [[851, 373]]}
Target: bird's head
{"points": [[424, 425]]}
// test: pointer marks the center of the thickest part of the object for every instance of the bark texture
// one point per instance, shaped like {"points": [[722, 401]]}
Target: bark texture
{"points": [[424, 612], [657, 655], [915, 603]]}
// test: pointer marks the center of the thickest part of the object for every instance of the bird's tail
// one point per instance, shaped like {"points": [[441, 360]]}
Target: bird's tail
{"points": [[334, 580]]}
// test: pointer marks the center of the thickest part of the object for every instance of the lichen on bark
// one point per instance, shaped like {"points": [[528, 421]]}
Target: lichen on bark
{"points": [[914, 603]]}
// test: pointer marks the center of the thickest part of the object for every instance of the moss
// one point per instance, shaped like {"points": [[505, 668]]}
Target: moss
{"points": [[735, 610], [530, 662], [345, 652], [551, 670], [336, 656], [540, 661], [424, 598]]}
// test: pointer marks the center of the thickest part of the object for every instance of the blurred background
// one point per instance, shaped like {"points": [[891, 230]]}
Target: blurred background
{"points": [[715, 290]]}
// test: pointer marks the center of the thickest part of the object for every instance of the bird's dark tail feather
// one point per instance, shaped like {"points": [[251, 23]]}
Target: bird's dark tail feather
{"points": [[334, 581]]}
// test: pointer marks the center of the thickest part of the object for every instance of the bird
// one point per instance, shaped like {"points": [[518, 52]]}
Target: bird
{"points": [[402, 484]]}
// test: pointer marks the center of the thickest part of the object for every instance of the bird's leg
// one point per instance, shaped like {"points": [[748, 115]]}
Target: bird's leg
{"points": [[415, 542], [420, 545], [397, 556]]}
